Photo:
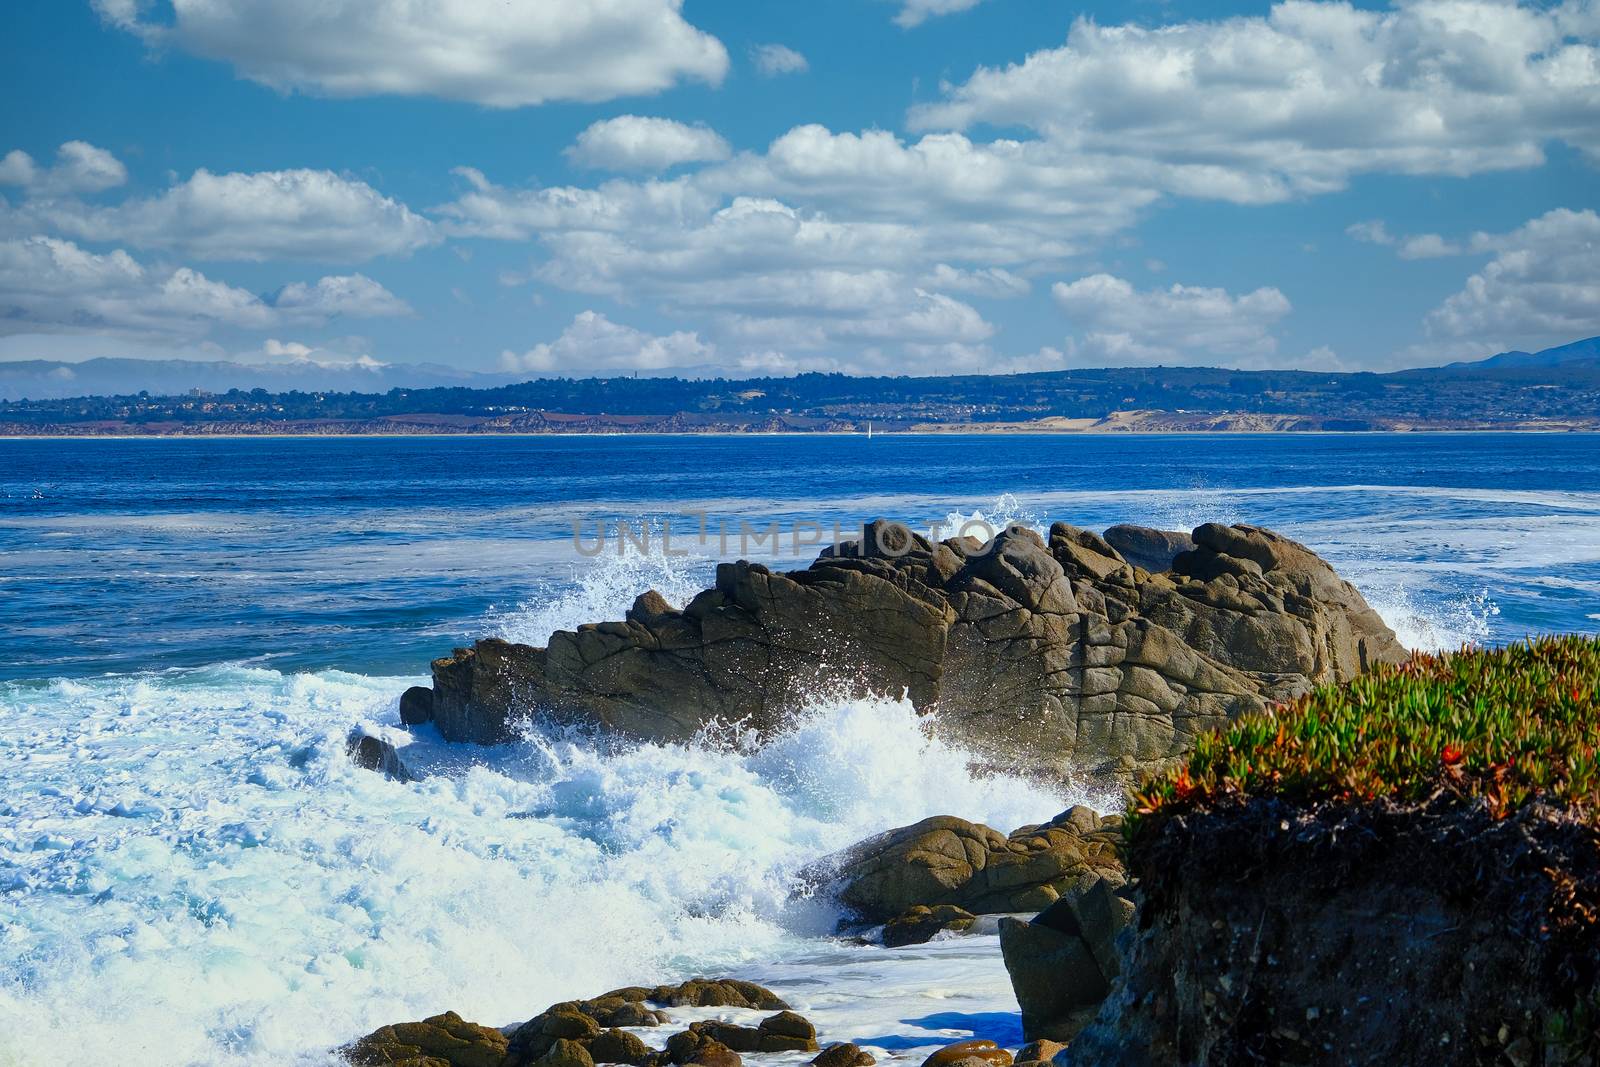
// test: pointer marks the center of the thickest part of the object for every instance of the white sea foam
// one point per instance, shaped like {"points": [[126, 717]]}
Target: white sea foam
{"points": [[191, 871]]}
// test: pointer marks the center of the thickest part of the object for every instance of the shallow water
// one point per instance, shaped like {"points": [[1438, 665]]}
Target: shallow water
{"points": [[192, 873]]}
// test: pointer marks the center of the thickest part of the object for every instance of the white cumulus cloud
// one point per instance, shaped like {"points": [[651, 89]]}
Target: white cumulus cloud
{"points": [[286, 214], [51, 284], [1542, 286], [483, 51], [1122, 324], [80, 167], [1256, 109], [640, 143], [353, 295], [594, 343]]}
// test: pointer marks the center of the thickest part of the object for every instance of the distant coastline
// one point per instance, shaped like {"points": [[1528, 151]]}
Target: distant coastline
{"points": [[1138, 422], [1553, 391]]}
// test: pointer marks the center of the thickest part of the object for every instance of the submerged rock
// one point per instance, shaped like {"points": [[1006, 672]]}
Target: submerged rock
{"points": [[948, 861], [1036, 654], [439, 1041], [918, 925]]}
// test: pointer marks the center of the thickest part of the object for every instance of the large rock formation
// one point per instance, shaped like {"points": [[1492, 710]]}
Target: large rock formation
{"points": [[948, 861], [1045, 655], [1063, 962], [1374, 934]]}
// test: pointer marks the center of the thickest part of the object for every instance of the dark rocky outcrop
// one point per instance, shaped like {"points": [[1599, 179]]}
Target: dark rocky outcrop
{"points": [[373, 753], [1063, 962], [439, 1041], [1035, 653], [948, 861], [920, 924], [416, 706], [1358, 934]]}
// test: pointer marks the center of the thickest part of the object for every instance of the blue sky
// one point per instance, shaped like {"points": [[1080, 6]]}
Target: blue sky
{"points": [[873, 186]]}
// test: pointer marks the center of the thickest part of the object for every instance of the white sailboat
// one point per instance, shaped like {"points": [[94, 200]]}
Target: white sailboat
{"points": [[869, 431]]}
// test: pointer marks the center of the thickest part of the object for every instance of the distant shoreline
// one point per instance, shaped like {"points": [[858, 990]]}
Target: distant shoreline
{"points": [[965, 430]]}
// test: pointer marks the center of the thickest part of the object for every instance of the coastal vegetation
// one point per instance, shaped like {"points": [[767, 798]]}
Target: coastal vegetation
{"points": [[1510, 727], [1406, 861]]}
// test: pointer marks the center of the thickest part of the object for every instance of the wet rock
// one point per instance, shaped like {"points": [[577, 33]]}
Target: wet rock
{"points": [[439, 1041], [565, 1053], [619, 1046], [982, 1050], [787, 1032], [562, 1022], [373, 753], [716, 993], [696, 1045], [712, 1054], [739, 1038], [919, 924], [950, 861], [1063, 962], [1035, 655], [625, 1013], [416, 706], [843, 1054]]}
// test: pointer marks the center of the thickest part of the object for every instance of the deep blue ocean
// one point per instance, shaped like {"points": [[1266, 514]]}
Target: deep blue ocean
{"points": [[376, 554], [192, 872]]}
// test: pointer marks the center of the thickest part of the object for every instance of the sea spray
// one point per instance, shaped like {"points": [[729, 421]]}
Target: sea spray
{"points": [[195, 873], [1466, 619], [600, 589]]}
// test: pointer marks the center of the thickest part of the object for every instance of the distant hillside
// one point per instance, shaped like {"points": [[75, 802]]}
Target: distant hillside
{"points": [[1558, 389], [1578, 358]]}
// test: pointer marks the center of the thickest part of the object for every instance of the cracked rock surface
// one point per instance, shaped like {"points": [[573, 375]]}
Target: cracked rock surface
{"points": [[1037, 654]]}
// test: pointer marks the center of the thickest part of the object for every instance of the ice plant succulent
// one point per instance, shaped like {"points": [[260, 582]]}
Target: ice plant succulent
{"points": [[1505, 726]]}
